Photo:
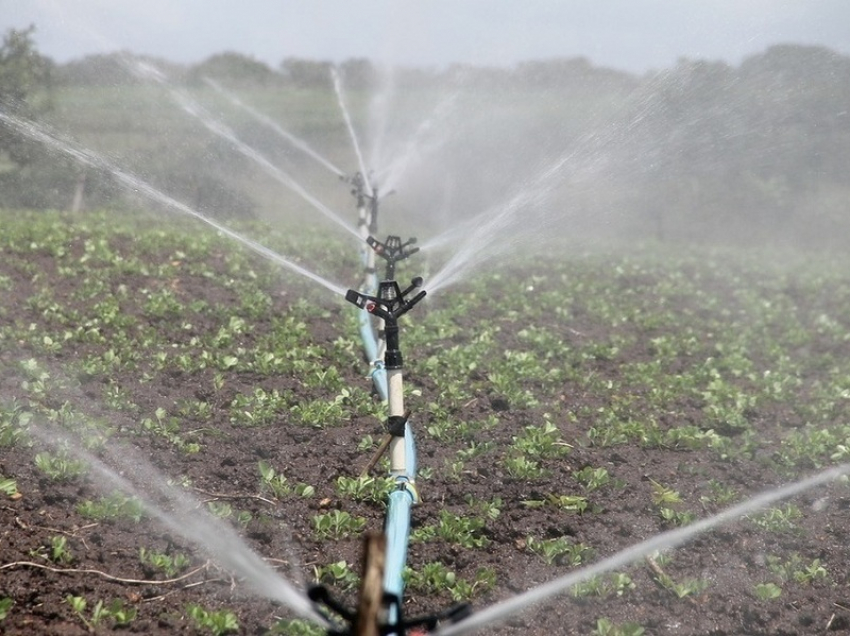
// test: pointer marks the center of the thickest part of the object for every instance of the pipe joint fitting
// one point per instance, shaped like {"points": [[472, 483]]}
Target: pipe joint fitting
{"points": [[396, 425]]}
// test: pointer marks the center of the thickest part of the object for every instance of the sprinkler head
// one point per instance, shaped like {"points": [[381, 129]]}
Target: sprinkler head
{"points": [[392, 251]]}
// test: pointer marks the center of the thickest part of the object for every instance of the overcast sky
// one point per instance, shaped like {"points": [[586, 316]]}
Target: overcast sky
{"points": [[634, 35]]}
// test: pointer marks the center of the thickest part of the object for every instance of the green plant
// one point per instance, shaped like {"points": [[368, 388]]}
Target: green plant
{"points": [[296, 627], [560, 550], [520, 467], [490, 509], [662, 495], [465, 531], [604, 627], [365, 488], [273, 482], [112, 507], [541, 441], [338, 574], [435, 578], [60, 466], [6, 604], [618, 583], [688, 587], [59, 552], [767, 591], [592, 478], [217, 622], [117, 611], [337, 524], [780, 520], [171, 565], [8, 486]]}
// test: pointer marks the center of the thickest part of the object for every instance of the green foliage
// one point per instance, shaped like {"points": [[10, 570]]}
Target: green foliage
{"points": [[112, 507], [337, 524], [605, 627], [767, 591], [560, 550], [8, 486], [60, 466], [521, 467], [436, 578], [5, 605], [617, 584], [365, 488], [116, 611], [338, 574], [592, 478], [169, 564], [792, 568], [296, 627], [218, 622], [781, 520], [541, 441]]}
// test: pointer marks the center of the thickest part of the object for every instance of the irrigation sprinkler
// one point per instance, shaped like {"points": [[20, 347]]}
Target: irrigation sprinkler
{"points": [[392, 251], [390, 303]]}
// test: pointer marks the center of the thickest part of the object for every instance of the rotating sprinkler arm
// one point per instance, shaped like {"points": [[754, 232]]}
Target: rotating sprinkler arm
{"points": [[390, 304]]}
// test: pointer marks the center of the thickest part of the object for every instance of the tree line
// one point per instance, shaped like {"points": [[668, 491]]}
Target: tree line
{"points": [[763, 145]]}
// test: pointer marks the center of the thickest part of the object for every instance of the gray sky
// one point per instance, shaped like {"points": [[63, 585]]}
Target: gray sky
{"points": [[635, 35]]}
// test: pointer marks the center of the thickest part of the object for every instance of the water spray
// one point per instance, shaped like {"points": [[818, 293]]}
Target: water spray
{"points": [[350, 126], [267, 121], [136, 185]]}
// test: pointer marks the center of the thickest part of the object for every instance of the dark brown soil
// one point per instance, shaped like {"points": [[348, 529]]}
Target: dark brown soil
{"points": [[105, 561]]}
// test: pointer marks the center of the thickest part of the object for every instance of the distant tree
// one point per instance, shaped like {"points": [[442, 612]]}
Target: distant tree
{"points": [[24, 80], [111, 69], [359, 74], [233, 68], [306, 73]]}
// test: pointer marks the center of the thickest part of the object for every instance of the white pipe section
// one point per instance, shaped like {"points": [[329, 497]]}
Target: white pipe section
{"points": [[398, 454]]}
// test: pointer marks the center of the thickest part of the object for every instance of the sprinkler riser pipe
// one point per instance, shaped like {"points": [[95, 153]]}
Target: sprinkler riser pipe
{"points": [[398, 446]]}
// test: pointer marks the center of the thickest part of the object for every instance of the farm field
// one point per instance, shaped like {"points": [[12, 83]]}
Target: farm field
{"points": [[566, 406]]}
